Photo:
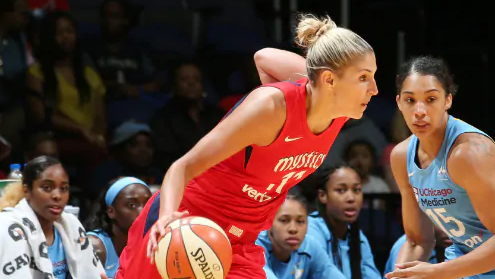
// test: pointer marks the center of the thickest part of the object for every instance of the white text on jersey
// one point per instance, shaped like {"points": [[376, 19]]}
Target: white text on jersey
{"points": [[306, 160], [255, 195]]}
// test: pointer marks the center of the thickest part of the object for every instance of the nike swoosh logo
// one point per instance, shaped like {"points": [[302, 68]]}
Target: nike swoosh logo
{"points": [[287, 139], [411, 174], [111, 266]]}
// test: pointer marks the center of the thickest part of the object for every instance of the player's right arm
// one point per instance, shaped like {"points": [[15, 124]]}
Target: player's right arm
{"points": [[256, 121], [420, 236], [276, 65]]}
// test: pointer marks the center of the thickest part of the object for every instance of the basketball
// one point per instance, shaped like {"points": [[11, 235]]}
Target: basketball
{"points": [[195, 248]]}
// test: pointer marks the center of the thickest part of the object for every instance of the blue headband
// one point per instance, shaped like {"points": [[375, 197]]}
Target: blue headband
{"points": [[118, 186]]}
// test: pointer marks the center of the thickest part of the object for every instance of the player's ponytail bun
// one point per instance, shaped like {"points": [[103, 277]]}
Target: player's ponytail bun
{"points": [[311, 28], [328, 46]]}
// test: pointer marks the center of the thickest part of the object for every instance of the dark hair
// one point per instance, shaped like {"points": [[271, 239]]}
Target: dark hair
{"points": [[323, 175], [347, 149], [35, 168], [99, 220], [180, 65], [427, 66], [298, 198], [48, 53]]}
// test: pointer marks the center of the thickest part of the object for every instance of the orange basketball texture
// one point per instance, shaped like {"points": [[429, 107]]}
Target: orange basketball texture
{"points": [[194, 248]]}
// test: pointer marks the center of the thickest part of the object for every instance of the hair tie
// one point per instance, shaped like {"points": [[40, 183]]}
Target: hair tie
{"points": [[118, 186]]}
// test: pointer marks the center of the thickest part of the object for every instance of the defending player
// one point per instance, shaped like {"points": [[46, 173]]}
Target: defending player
{"points": [[445, 172]]}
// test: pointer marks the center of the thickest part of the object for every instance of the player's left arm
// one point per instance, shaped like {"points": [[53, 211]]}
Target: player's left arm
{"points": [[276, 65], [471, 165]]}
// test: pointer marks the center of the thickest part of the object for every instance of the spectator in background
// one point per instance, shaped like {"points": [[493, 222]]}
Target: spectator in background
{"points": [[335, 227], [67, 96], [39, 144], [361, 155], [132, 155], [399, 132], [289, 253], [124, 65], [185, 119], [48, 232], [356, 129], [241, 82], [113, 216], [13, 67]]}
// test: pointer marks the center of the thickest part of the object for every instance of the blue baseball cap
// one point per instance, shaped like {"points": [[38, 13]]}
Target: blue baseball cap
{"points": [[127, 130]]}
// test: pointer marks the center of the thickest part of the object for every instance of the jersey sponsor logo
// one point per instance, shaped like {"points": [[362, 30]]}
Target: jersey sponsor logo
{"points": [[415, 190], [287, 139], [429, 197], [438, 202], [307, 160], [255, 195], [429, 192]]}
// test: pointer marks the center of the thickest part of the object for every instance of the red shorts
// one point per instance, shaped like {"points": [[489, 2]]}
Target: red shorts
{"points": [[247, 262]]}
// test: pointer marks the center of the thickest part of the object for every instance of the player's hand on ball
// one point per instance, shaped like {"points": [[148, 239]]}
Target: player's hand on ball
{"points": [[158, 231], [414, 270]]}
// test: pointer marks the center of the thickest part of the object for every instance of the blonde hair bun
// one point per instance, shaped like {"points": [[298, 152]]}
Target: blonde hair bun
{"points": [[310, 28]]}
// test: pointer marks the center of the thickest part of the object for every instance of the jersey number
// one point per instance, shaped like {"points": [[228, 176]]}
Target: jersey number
{"points": [[439, 212], [296, 175]]}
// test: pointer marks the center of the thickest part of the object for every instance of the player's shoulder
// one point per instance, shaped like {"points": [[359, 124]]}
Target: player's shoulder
{"points": [[472, 139], [471, 147], [97, 242], [266, 98], [399, 152], [279, 91]]}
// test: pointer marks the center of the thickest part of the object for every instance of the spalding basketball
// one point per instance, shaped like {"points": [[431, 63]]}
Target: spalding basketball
{"points": [[195, 248]]}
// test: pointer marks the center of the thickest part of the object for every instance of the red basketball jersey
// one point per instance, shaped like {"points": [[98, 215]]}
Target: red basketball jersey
{"points": [[243, 193]]}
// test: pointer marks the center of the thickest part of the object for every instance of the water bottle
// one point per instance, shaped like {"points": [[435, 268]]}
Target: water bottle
{"points": [[15, 172], [72, 209]]}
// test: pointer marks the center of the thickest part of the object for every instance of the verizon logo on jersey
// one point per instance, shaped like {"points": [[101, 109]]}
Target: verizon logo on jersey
{"points": [[295, 162], [255, 195]]}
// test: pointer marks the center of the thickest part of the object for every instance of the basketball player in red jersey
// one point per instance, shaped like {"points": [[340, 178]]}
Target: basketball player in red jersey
{"points": [[238, 175]]}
